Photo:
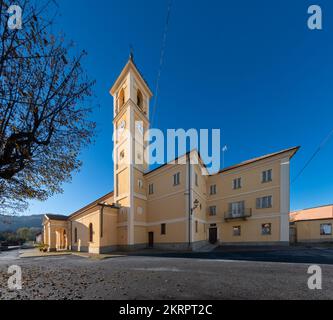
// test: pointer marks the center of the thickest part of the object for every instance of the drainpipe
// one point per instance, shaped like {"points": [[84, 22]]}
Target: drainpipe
{"points": [[70, 248], [101, 226], [104, 205], [189, 201]]}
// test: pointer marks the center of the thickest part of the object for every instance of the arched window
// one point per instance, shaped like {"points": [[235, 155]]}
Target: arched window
{"points": [[121, 99], [75, 235], [91, 233], [139, 99]]}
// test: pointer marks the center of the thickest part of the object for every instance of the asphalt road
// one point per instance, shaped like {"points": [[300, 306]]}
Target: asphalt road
{"points": [[154, 277]]}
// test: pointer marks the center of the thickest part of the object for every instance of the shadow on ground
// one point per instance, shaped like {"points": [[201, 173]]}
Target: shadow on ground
{"points": [[297, 254]]}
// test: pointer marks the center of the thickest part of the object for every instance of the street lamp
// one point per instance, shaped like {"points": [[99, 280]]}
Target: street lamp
{"points": [[196, 204]]}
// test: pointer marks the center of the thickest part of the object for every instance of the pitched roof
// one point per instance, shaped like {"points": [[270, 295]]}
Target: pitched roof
{"points": [[56, 217], [176, 159], [92, 204], [316, 213], [267, 156], [130, 64]]}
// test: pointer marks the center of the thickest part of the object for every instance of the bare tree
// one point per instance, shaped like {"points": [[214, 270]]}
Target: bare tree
{"points": [[43, 124]]}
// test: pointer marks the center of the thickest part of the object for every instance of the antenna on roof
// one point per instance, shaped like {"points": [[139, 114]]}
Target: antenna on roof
{"points": [[224, 150]]}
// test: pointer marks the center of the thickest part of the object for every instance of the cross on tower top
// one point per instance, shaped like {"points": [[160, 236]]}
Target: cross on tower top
{"points": [[131, 56]]}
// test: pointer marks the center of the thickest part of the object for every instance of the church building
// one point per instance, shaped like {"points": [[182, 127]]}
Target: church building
{"points": [[175, 206]]}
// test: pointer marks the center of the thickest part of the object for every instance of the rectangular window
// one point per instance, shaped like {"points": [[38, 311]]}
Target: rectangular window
{"points": [[237, 209], [238, 183], [212, 211], [326, 229], [151, 189], [163, 229], [196, 226], [266, 229], [237, 231], [176, 179], [264, 202], [140, 184], [213, 189], [196, 180], [267, 176]]}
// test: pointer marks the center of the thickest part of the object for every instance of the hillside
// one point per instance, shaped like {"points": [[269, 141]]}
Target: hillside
{"points": [[13, 223]]}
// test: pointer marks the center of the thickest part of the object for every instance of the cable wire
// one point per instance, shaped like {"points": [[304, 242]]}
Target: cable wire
{"points": [[163, 49], [321, 146]]}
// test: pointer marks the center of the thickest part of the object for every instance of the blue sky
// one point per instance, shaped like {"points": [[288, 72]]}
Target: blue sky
{"points": [[263, 77]]}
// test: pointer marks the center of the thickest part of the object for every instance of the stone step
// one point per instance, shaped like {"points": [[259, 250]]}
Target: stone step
{"points": [[207, 247]]}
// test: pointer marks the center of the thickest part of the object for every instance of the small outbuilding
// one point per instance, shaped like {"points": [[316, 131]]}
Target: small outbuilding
{"points": [[312, 225]]}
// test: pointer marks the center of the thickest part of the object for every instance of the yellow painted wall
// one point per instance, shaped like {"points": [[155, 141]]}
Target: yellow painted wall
{"points": [[199, 214], [140, 212], [140, 235], [123, 181], [110, 236], [122, 235], [82, 223], [250, 231], [50, 230], [168, 201], [252, 188], [308, 231], [139, 176], [175, 233]]}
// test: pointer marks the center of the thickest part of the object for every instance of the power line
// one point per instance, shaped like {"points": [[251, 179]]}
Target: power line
{"points": [[163, 48], [321, 146]]}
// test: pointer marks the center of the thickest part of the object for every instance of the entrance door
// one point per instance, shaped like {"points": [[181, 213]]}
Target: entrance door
{"points": [[151, 239], [212, 235]]}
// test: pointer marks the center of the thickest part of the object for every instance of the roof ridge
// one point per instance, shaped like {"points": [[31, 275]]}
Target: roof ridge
{"points": [[91, 204], [263, 157]]}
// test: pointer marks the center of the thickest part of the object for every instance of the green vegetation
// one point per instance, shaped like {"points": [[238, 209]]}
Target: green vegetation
{"points": [[22, 235]]}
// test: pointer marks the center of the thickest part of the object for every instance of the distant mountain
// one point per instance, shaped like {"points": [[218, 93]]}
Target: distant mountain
{"points": [[8, 223]]}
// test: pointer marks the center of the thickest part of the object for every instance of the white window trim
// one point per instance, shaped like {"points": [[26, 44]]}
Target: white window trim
{"points": [[261, 202], [326, 234], [240, 183], [212, 190], [262, 176], [210, 211]]}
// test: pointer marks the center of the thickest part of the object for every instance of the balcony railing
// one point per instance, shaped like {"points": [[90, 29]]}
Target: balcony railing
{"points": [[240, 214]]}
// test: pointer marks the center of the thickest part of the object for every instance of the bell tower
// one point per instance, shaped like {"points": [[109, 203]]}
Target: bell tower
{"points": [[131, 96]]}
